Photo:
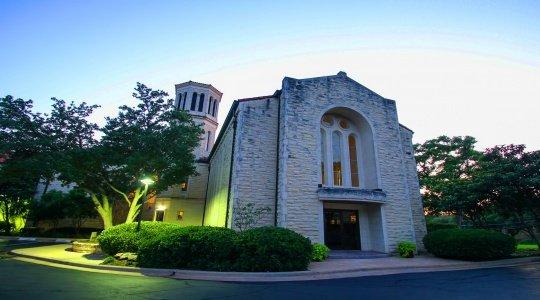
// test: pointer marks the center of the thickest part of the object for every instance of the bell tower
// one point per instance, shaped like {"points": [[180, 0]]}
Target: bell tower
{"points": [[201, 101]]}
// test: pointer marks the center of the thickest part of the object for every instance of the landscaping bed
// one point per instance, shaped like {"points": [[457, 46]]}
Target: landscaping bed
{"points": [[162, 245]]}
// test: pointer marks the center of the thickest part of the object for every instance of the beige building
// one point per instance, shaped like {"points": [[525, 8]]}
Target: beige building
{"points": [[325, 155]]}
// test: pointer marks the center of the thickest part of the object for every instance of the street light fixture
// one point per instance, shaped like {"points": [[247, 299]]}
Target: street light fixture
{"points": [[146, 181]]}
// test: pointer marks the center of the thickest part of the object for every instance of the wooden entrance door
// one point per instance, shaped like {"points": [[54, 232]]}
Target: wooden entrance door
{"points": [[341, 231]]}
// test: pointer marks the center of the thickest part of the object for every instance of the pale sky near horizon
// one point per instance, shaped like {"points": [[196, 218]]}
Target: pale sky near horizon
{"points": [[453, 67]]}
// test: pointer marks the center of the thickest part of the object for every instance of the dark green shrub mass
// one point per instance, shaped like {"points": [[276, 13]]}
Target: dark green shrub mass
{"points": [[432, 226], [126, 238], [469, 244], [272, 249], [192, 247]]}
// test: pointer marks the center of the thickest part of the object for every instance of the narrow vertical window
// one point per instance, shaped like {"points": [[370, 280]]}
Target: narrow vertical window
{"points": [[210, 104], [208, 140], [323, 156], [193, 101], [214, 109], [185, 100], [353, 158], [336, 161], [201, 102], [179, 96]]}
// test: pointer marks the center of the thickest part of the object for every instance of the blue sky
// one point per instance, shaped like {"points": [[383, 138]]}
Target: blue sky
{"points": [[454, 67]]}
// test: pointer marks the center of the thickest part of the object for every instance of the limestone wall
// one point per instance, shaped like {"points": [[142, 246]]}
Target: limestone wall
{"points": [[218, 180], [417, 208], [255, 162], [303, 104]]}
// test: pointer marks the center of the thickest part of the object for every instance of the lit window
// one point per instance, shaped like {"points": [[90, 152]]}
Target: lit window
{"points": [[323, 156], [183, 186], [327, 120], [336, 155], [353, 157]]}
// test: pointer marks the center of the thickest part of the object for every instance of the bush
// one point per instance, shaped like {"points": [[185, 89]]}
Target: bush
{"points": [[320, 252], [433, 226], [193, 247], [273, 249], [406, 249], [469, 244], [125, 238]]}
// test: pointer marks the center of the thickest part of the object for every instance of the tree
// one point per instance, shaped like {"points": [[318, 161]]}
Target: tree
{"points": [[152, 139], [23, 137], [79, 207], [446, 169], [510, 177]]}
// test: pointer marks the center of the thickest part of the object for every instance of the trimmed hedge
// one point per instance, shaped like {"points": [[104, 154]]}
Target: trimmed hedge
{"points": [[320, 252], [469, 244], [433, 226], [193, 247], [273, 249], [126, 238]]}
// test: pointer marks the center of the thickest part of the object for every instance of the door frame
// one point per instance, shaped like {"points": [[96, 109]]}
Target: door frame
{"points": [[341, 211]]}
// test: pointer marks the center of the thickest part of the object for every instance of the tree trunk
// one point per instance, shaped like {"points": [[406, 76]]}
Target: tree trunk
{"points": [[134, 207], [104, 210]]}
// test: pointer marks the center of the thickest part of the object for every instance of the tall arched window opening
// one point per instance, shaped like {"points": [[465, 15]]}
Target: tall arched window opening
{"points": [[337, 167], [201, 103], [210, 102], [185, 100], [193, 101], [323, 156], [353, 160]]}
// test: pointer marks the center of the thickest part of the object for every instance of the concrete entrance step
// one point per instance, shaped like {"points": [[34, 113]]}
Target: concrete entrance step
{"points": [[356, 254]]}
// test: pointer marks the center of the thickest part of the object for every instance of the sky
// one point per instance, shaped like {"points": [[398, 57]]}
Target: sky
{"points": [[453, 67]]}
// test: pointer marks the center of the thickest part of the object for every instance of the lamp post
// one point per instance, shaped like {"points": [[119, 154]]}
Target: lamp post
{"points": [[146, 181]]}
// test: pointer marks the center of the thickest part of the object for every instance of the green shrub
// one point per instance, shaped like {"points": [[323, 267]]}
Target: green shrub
{"points": [[320, 252], [273, 249], [193, 247], [406, 249], [126, 238], [469, 244], [433, 226]]}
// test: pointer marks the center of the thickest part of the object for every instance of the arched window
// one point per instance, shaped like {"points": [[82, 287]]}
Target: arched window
{"points": [[185, 100], [201, 102], [337, 167], [353, 161], [210, 100], [323, 156], [209, 135], [193, 101], [340, 161], [179, 97], [214, 109]]}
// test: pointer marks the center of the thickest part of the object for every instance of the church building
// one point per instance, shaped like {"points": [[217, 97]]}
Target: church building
{"points": [[325, 156]]}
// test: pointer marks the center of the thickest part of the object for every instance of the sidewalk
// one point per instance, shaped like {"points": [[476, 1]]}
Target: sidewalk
{"points": [[56, 255]]}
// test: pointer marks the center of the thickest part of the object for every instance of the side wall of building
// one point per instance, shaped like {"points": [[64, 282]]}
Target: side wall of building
{"points": [[417, 208], [215, 212], [255, 157]]}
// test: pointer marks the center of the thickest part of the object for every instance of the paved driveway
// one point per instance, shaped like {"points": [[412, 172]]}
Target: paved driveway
{"points": [[20, 280]]}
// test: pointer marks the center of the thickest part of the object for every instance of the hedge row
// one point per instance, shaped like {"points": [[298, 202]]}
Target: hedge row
{"points": [[433, 226], [162, 245], [469, 244]]}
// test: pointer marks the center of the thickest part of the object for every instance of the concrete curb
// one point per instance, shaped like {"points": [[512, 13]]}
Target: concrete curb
{"points": [[37, 239], [286, 276]]}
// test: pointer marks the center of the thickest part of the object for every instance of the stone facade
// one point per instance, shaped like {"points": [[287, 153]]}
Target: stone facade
{"points": [[269, 153]]}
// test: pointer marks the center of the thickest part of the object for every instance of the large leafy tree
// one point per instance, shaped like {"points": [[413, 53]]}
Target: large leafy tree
{"points": [[23, 137], [446, 169], [510, 178], [151, 139]]}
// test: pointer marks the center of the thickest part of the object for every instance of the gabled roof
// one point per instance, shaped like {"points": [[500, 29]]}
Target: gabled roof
{"points": [[198, 84]]}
